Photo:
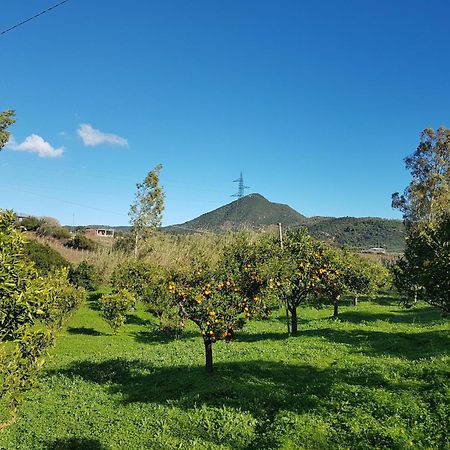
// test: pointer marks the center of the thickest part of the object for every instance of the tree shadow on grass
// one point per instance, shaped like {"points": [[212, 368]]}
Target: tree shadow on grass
{"points": [[74, 444], [136, 320], [411, 346], [423, 315], [253, 385], [262, 389], [85, 331]]}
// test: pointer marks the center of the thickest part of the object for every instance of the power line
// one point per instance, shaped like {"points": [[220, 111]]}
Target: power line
{"points": [[17, 25]]}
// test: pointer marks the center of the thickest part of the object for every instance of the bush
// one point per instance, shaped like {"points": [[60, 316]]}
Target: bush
{"points": [[80, 242], [149, 284], [114, 308], [53, 231], [31, 223], [45, 259], [84, 275], [31, 308]]}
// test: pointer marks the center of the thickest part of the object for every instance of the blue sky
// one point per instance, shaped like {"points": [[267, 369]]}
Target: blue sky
{"points": [[317, 103]]}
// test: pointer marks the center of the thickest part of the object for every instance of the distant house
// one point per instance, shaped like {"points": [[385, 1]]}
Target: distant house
{"points": [[99, 232]]}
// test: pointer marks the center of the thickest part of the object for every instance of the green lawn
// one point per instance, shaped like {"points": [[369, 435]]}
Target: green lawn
{"points": [[377, 378]]}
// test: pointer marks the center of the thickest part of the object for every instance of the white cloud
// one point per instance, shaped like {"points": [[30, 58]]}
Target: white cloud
{"points": [[35, 144], [92, 137]]}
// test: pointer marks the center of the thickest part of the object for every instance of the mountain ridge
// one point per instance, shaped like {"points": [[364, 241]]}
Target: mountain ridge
{"points": [[254, 211]]}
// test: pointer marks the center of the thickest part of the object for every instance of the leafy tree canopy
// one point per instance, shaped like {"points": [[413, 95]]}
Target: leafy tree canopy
{"points": [[6, 120], [428, 194]]}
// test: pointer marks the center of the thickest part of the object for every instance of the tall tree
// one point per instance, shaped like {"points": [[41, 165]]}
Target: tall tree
{"points": [[148, 205], [428, 194], [424, 269], [6, 119]]}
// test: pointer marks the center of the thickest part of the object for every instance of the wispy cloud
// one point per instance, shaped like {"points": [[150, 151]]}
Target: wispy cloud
{"points": [[35, 144], [92, 137]]}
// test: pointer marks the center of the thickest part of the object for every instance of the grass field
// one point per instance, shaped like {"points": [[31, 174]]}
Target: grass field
{"points": [[377, 378]]}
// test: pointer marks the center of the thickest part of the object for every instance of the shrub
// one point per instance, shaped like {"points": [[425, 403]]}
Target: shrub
{"points": [[84, 275], [80, 242], [55, 298], [149, 284], [54, 231], [31, 223], [45, 259], [114, 308], [31, 308]]}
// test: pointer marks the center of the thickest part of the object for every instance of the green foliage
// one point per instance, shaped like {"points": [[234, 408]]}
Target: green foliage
{"points": [[147, 208], [6, 120], [51, 228], [219, 301], [55, 297], [81, 242], [44, 258], [124, 243], [114, 308], [425, 266], [428, 194], [148, 284], [84, 275], [31, 307], [19, 366], [31, 223], [359, 232], [15, 277]]}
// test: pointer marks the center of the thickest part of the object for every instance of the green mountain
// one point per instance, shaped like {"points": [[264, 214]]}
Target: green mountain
{"points": [[252, 211], [256, 212]]}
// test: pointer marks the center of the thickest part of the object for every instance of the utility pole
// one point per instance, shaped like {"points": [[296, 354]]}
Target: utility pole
{"points": [[280, 233]]}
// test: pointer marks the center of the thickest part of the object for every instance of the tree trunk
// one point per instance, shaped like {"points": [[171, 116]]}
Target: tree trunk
{"points": [[208, 355], [355, 301], [287, 318], [336, 307], [294, 321]]}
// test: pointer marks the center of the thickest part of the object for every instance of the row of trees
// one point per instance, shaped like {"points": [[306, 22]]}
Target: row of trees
{"points": [[250, 279]]}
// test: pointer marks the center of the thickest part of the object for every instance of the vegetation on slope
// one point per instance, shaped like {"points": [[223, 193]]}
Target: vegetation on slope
{"points": [[255, 212]]}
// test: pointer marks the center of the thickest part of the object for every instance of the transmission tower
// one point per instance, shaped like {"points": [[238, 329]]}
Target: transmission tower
{"points": [[241, 187]]}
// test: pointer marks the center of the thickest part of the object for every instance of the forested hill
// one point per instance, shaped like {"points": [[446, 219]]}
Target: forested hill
{"points": [[252, 211], [256, 212]]}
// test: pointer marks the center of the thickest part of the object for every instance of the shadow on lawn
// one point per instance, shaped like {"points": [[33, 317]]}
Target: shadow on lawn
{"points": [[84, 331], [133, 319], [414, 315], [253, 385], [261, 388], [74, 444], [411, 346]]}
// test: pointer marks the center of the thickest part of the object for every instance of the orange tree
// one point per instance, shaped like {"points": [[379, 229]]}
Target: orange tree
{"points": [[220, 300], [338, 276], [297, 272]]}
